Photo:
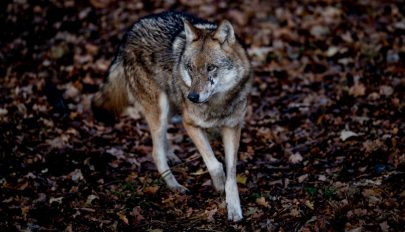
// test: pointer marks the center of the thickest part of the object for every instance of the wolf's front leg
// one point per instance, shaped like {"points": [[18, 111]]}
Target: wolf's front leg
{"points": [[230, 138], [214, 167]]}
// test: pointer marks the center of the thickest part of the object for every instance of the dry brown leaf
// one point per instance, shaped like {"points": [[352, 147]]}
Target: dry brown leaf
{"points": [[3, 112], [375, 192], [238, 16], [261, 201], [76, 175], [309, 204], [136, 214], [199, 172], [210, 214], [24, 211], [384, 226], [294, 212], [372, 145], [90, 199], [295, 158], [155, 230], [357, 229], [123, 218], [100, 3], [322, 178], [241, 179], [386, 90], [56, 199], [151, 189], [302, 178], [332, 51], [319, 31], [402, 194], [357, 90]]}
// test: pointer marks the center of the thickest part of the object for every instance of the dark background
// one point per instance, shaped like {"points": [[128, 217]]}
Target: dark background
{"points": [[322, 70]]}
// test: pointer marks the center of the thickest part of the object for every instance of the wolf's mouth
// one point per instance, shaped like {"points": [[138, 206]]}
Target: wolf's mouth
{"points": [[201, 103]]}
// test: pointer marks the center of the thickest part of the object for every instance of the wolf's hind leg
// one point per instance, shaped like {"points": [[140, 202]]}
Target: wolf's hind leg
{"points": [[158, 120]]}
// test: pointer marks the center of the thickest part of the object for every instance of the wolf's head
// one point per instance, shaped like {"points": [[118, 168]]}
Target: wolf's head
{"points": [[213, 61]]}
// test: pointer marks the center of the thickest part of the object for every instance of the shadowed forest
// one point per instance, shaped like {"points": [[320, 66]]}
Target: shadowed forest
{"points": [[322, 149]]}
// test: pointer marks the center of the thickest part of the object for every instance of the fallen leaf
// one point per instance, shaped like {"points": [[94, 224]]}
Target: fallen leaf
{"points": [[56, 199], [386, 90], [400, 25], [100, 3], [262, 202], [155, 230], [76, 175], [24, 211], [69, 228], [239, 16], [116, 152], [3, 112], [402, 194], [123, 218], [357, 90], [309, 204], [91, 48], [241, 179], [332, 51], [372, 145], [358, 229], [295, 158], [371, 192], [373, 96], [136, 214], [322, 177], [90, 199], [210, 214], [384, 226], [346, 134], [319, 31], [151, 189], [101, 65], [302, 178], [199, 172], [71, 92], [295, 212], [59, 142]]}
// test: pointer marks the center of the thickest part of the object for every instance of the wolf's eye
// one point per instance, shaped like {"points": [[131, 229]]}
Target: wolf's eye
{"points": [[211, 67]]}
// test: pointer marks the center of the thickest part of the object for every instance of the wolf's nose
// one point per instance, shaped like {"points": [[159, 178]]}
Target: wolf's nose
{"points": [[193, 97]]}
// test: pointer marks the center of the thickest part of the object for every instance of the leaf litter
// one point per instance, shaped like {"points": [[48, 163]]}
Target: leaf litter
{"points": [[320, 68]]}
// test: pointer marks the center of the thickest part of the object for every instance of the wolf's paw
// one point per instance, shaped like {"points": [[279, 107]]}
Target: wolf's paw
{"points": [[179, 188], [234, 213], [173, 159], [232, 200], [218, 181], [218, 177]]}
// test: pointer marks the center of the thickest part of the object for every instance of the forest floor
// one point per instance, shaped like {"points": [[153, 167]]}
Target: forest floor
{"points": [[323, 147]]}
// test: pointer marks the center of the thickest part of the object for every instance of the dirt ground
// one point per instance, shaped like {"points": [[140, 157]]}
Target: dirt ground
{"points": [[323, 147]]}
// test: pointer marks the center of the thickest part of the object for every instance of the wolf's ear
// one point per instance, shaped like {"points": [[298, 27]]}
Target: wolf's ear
{"points": [[190, 30], [225, 32]]}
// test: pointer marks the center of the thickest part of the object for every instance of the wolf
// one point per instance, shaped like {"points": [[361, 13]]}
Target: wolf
{"points": [[171, 63]]}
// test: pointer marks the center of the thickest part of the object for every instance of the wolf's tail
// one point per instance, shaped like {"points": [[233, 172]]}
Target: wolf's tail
{"points": [[112, 99]]}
